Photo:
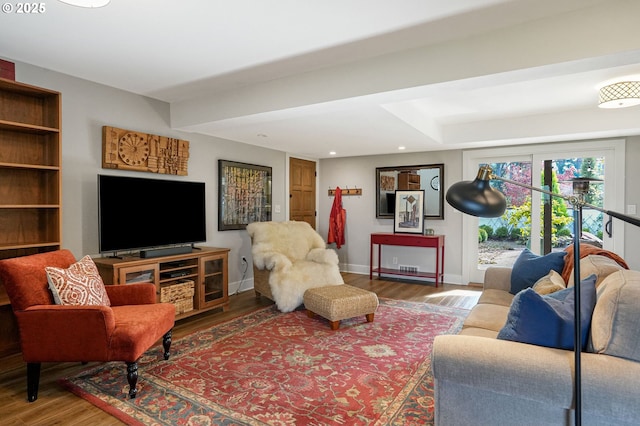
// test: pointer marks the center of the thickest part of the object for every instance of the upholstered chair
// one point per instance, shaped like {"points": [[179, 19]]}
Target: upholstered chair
{"points": [[122, 330], [289, 258]]}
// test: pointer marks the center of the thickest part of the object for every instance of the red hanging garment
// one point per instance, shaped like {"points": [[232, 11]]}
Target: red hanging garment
{"points": [[337, 220]]}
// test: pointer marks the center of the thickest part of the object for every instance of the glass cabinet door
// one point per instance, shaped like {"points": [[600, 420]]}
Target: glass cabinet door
{"points": [[139, 274], [213, 286]]}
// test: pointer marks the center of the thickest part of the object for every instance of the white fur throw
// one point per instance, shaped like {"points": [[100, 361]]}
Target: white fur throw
{"points": [[297, 257]]}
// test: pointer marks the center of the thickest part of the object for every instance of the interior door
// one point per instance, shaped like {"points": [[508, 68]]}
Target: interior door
{"points": [[302, 191]]}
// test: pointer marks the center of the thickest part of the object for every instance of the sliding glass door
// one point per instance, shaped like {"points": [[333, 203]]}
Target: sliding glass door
{"points": [[498, 241]]}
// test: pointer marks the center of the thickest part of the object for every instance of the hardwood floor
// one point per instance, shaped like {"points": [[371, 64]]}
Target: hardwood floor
{"points": [[56, 406]]}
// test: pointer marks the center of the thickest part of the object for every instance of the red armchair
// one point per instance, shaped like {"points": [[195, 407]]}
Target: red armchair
{"points": [[63, 333]]}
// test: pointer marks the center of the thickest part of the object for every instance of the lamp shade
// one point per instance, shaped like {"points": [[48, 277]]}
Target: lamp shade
{"points": [[477, 198], [620, 95]]}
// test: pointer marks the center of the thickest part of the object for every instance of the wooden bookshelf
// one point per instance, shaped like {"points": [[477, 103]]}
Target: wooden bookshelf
{"points": [[30, 182]]}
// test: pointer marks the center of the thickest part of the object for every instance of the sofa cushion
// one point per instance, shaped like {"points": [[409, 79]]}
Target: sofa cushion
{"points": [[79, 284], [492, 296], [615, 328], [549, 320], [550, 283], [479, 332], [490, 317], [602, 266], [530, 267], [587, 250]]}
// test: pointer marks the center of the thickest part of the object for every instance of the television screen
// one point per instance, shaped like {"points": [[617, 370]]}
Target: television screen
{"points": [[138, 213]]}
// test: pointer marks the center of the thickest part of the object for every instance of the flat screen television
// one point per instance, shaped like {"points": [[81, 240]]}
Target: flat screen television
{"points": [[141, 213]]}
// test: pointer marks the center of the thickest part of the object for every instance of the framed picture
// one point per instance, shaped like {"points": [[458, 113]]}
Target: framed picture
{"points": [[244, 194], [409, 212]]}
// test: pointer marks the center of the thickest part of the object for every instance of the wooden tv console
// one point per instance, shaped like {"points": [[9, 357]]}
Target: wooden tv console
{"points": [[206, 267]]}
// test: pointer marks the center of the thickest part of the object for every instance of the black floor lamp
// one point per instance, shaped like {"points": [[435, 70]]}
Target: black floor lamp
{"points": [[478, 198]]}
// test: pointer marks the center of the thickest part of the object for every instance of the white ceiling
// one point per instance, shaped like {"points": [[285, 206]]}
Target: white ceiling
{"points": [[358, 77]]}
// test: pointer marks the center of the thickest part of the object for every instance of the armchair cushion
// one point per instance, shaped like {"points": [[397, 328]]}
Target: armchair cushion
{"points": [[79, 284]]}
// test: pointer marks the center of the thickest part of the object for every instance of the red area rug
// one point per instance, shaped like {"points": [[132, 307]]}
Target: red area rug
{"points": [[270, 368]]}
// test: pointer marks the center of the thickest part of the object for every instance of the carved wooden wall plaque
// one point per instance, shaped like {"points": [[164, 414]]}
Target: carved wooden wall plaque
{"points": [[143, 152]]}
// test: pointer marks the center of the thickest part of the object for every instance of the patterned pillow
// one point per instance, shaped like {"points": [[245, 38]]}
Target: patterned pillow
{"points": [[80, 284]]}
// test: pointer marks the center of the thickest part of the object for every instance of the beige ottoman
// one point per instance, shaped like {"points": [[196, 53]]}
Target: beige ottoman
{"points": [[338, 302]]}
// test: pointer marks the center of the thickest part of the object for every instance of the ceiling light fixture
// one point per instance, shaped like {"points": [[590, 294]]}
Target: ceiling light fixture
{"points": [[87, 3], [332, 153], [401, 148], [620, 95]]}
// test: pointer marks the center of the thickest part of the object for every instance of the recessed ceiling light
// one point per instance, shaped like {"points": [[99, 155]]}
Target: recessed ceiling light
{"points": [[86, 3], [332, 153], [401, 148], [261, 135]]}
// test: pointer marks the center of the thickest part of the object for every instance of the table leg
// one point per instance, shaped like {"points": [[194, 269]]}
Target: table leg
{"points": [[371, 261], [437, 265], [442, 264]]}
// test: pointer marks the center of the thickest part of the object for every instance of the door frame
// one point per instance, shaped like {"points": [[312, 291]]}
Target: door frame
{"points": [[613, 149]]}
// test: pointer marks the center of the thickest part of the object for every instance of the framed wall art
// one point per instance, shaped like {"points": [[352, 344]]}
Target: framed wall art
{"points": [[244, 194], [409, 212], [143, 152]]}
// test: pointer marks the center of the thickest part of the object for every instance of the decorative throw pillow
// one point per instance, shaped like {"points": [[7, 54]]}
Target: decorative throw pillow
{"points": [[530, 267], [79, 284], [614, 329], [602, 266], [550, 283], [549, 320]]}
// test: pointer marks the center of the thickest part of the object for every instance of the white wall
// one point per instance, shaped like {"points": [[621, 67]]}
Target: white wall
{"points": [[86, 107], [361, 210], [361, 217]]}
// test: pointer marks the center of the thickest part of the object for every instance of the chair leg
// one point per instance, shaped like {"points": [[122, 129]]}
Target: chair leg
{"points": [[132, 367], [166, 343], [33, 380], [132, 378]]}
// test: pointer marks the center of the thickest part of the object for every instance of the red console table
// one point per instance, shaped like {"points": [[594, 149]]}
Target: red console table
{"points": [[408, 240]]}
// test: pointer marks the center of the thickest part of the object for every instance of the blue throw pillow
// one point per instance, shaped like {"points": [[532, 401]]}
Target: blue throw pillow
{"points": [[530, 267], [549, 320]]}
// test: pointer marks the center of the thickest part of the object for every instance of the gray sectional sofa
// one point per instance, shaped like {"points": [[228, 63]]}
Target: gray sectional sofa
{"points": [[481, 380]]}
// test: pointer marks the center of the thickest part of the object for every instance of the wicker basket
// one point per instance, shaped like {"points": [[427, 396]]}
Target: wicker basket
{"points": [[181, 295], [183, 305]]}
